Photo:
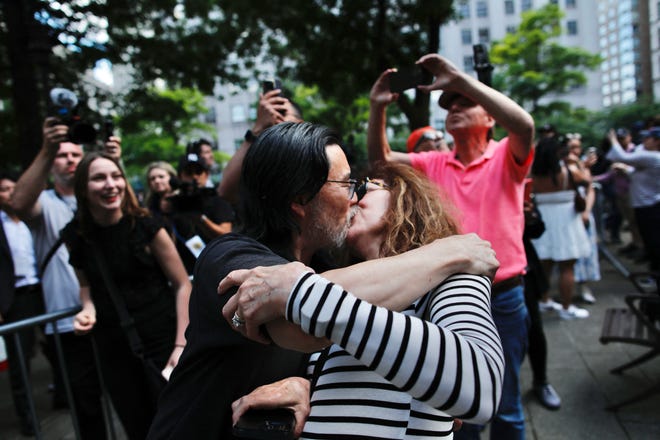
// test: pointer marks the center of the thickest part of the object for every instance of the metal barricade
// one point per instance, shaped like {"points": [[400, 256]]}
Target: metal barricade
{"points": [[13, 329]]}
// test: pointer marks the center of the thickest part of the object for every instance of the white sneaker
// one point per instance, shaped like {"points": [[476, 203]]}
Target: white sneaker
{"points": [[587, 295], [573, 312], [549, 306]]}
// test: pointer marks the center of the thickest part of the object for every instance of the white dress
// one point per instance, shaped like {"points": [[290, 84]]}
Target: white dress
{"points": [[565, 237]]}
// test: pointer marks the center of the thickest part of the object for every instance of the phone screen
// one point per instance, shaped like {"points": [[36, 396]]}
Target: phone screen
{"points": [[406, 78]]}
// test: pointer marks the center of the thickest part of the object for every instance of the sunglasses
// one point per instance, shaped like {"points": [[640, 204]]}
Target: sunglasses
{"points": [[359, 190]]}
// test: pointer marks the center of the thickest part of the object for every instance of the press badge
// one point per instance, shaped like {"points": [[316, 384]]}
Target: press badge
{"points": [[195, 245]]}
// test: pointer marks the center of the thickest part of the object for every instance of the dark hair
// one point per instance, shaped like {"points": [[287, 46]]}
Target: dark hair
{"points": [[547, 158], [196, 146], [286, 163], [129, 205], [9, 175]]}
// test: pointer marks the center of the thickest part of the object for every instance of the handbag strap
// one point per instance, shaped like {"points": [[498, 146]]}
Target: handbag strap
{"points": [[49, 255], [125, 319]]}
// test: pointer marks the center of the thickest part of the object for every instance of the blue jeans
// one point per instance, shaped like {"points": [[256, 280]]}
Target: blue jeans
{"points": [[511, 319]]}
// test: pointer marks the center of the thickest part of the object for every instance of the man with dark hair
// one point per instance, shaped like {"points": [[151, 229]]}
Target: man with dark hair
{"points": [[485, 179], [203, 148], [297, 200]]}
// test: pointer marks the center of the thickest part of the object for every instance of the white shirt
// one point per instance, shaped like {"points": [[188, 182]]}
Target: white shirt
{"points": [[21, 246], [645, 179]]}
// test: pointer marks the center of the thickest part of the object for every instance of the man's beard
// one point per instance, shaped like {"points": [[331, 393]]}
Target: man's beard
{"points": [[327, 234]]}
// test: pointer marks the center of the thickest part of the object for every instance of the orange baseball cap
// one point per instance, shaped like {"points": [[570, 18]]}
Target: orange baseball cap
{"points": [[415, 137]]}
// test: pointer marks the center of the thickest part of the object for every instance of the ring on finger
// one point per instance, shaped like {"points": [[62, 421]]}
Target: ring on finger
{"points": [[237, 321]]}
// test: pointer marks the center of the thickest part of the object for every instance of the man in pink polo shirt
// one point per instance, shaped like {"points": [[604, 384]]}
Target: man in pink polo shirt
{"points": [[484, 178]]}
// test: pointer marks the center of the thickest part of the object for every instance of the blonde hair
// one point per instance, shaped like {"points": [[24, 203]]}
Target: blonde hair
{"points": [[419, 213]]}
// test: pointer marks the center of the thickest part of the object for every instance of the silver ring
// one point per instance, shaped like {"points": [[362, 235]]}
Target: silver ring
{"points": [[237, 321]]}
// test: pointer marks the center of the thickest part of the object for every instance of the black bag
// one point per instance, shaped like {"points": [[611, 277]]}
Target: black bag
{"points": [[155, 381]]}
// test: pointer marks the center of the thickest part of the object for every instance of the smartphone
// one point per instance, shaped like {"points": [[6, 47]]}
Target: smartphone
{"points": [[406, 78], [271, 84], [266, 424]]}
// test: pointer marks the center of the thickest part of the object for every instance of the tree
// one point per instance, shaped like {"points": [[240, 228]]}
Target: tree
{"points": [[339, 46], [531, 65]]}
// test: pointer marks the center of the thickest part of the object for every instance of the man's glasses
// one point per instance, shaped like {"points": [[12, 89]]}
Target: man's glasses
{"points": [[361, 190], [352, 184]]}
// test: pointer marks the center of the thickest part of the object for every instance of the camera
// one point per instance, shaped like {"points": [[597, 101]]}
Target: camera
{"points": [[65, 107], [189, 197]]}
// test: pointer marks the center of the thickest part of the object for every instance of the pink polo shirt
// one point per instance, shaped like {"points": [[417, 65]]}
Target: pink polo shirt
{"points": [[489, 196]]}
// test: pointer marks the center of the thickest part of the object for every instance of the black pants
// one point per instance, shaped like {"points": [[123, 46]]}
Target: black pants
{"points": [[28, 302], [648, 219], [84, 378]]}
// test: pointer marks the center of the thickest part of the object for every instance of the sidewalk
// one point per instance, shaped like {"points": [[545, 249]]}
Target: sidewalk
{"points": [[578, 368]]}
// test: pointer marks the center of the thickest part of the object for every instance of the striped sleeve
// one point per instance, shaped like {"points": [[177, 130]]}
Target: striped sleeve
{"points": [[451, 360]]}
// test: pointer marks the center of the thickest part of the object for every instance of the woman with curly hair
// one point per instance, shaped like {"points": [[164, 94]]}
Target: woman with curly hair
{"points": [[394, 374]]}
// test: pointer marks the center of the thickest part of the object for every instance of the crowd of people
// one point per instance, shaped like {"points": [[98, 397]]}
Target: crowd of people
{"points": [[399, 303]]}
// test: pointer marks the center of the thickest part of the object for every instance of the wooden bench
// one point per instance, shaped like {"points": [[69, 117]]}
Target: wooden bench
{"points": [[632, 326]]}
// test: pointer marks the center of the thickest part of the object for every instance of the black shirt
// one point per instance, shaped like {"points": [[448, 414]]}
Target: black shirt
{"points": [[218, 365]]}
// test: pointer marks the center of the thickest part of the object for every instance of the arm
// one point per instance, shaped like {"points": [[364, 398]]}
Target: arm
{"points": [[267, 115], [26, 193], [517, 122], [393, 282], [168, 259], [638, 158], [215, 228], [378, 147], [458, 358], [84, 320]]}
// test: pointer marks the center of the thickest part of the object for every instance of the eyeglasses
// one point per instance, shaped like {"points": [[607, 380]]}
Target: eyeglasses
{"points": [[361, 190], [352, 183]]}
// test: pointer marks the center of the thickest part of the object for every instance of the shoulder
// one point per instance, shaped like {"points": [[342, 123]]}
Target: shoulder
{"points": [[235, 251], [70, 231], [149, 225]]}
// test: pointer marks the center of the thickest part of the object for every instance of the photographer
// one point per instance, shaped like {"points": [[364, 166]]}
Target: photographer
{"points": [[198, 213]]}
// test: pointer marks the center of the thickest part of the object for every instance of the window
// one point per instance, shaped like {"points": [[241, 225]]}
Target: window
{"points": [[484, 35], [511, 29], [468, 63], [210, 117], [482, 9], [466, 36], [570, 4], [571, 27], [509, 8], [464, 9], [238, 114], [526, 5], [554, 2]]}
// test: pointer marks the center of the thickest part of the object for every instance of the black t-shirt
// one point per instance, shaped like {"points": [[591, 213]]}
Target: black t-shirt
{"points": [[187, 224], [218, 365]]}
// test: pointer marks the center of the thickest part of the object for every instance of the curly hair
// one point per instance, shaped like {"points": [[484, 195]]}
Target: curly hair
{"points": [[418, 214]]}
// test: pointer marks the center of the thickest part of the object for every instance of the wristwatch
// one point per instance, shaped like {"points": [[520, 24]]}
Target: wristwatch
{"points": [[249, 136]]}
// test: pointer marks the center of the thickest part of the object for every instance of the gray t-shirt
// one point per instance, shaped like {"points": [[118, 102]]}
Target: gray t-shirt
{"points": [[60, 284]]}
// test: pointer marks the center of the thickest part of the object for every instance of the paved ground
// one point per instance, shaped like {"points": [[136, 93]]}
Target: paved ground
{"points": [[578, 367]]}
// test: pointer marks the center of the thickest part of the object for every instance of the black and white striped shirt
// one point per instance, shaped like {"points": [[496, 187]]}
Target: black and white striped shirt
{"points": [[400, 375]]}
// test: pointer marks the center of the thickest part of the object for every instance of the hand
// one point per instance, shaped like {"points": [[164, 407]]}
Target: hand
{"points": [[478, 255], [292, 393], [172, 361], [612, 136], [261, 297], [84, 321], [458, 423], [380, 92], [268, 111], [444, 72], [54, 133], [113, 147]]}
